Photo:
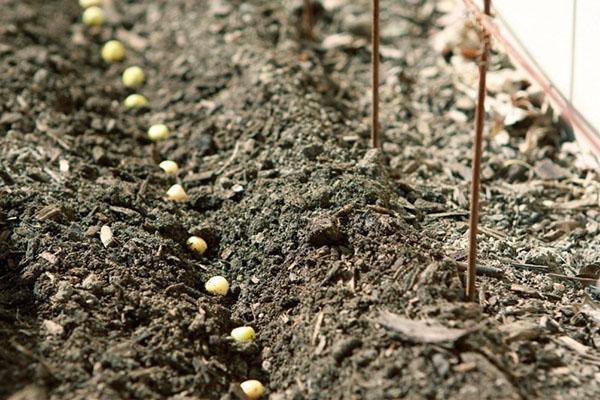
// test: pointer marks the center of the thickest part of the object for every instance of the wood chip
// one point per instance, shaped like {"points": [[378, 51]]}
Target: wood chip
{"points": [[48, 212], [548, 170], [420, 331], [53, 328], [51, 258], [521, 330], [123, 210], [317, 329], [106, 235], [132, 39], [574, 345], [592, 312], [526, 290], [63, 166]]}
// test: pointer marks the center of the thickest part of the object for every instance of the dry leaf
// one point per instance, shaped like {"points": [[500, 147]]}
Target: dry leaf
{"points": [[106, 235], [520, 330], [546, 169], [337, 40], [421, 331], [591, 311], [51, 258], [522, 289]]}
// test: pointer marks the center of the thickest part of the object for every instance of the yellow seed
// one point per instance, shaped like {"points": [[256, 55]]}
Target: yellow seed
{"points": [[170, 167], [176, 193], [93, 16], [243, 334], [158, 132], [197, 244], [217, 285], [135, 100], [133, 76], [113, 51], [90, 3], [253, 389]]}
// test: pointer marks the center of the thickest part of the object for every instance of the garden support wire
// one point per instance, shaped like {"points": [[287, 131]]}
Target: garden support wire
{"points": [[375, 76], [476, 167], [307, 20]]}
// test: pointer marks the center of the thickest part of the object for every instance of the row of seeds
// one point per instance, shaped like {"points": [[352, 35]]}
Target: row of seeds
{"points": [[134, 77]]}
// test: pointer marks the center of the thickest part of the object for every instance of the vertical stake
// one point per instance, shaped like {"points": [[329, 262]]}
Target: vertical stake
{"points": [[375, 76], [307, 19], [476, 168]]}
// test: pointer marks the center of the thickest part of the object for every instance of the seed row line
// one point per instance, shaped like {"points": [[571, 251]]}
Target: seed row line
{"points": [[133, 77]]}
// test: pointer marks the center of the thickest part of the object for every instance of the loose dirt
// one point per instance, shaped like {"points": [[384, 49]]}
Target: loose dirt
{"points": [[347, 261]]}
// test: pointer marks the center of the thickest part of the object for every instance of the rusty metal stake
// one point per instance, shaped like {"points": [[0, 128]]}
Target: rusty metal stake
{"points": [[307, 19], [375, 77], [476, 168]]}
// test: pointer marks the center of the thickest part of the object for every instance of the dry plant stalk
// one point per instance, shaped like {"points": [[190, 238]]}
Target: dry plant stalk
{"points": [[476, 168], [375, 76]]}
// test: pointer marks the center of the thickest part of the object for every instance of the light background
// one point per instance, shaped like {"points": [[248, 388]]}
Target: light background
{"points": [[563, 39]]}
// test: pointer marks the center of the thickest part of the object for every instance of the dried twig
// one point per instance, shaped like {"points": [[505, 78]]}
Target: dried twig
{"points": [[375, 75], [481, 269], [234, 154], [585, 281], [531, 267], [477, 149]]}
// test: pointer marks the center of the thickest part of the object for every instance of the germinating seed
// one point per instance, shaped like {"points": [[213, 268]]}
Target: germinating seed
{"points": [[133, 76], [176, 193], [217, 285], [90, 3], [253, 389], [113, 51], [93, 16], [170, 167], [243, 334], [135, 100], [197, 244], [158, 132]]}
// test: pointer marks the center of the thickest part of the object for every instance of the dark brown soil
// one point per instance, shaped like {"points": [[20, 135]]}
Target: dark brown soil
{"points": [[318, 236]]}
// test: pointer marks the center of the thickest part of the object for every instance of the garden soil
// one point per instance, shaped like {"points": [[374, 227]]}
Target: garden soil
{"points": [[348, 262]]}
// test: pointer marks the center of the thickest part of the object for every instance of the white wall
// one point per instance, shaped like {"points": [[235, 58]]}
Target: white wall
{"points": [[545, 29], [562, 37], [586, 79]]}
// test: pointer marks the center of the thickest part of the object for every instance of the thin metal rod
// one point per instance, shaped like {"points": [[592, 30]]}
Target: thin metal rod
{"points": [[573, 44], [476, 168], [375, 77], [307, 19]]}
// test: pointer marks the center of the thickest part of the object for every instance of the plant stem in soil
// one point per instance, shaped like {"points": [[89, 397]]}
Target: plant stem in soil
{"points": [[375, 78], [476, 168]]}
